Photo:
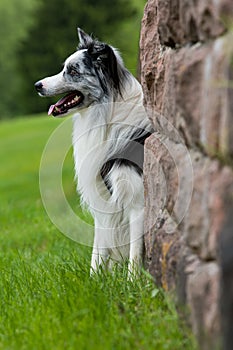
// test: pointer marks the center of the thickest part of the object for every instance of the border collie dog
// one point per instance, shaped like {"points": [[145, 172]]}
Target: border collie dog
{"points": [[110, 126]]}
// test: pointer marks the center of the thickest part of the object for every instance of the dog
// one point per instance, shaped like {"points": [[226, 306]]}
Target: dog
{"points": [[110, 126]]}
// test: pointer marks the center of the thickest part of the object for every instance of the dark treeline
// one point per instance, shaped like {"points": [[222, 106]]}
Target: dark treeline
{"points": [[48, 35]]}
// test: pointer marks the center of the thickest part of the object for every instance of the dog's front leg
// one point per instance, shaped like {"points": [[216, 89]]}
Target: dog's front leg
{"points": [[136, 241], [100, 253]]}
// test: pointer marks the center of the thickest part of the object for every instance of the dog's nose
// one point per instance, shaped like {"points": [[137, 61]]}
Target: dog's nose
{"points": [[38, 86]]}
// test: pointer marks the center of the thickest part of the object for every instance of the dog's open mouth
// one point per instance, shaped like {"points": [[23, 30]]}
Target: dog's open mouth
{"points": [[71, 100]]}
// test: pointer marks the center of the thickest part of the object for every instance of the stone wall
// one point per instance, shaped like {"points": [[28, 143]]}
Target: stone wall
{"points": [[187, 77]]}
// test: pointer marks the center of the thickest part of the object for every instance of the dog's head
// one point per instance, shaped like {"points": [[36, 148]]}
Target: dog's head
{"points": [[93, 74]]}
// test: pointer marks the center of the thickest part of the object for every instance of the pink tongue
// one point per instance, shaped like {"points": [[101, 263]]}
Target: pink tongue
{"points": [[51, 108]]}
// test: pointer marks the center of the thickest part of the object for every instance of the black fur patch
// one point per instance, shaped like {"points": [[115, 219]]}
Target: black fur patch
{"points": [[87, 61], [102, 57], [132, 156]]}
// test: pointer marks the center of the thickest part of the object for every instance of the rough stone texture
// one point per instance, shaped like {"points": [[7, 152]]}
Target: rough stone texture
{"points": [[187, 74]]}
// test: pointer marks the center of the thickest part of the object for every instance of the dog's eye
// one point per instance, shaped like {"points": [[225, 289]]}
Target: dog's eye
{"points": [[72, 71]]}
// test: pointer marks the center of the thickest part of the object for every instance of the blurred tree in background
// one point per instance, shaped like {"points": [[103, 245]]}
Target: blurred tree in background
{"points": [[16, 17], [44, 34]]}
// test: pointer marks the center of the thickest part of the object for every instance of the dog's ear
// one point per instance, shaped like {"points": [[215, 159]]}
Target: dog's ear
{"points": [[84, 38], [98, 51], [103, 57]]}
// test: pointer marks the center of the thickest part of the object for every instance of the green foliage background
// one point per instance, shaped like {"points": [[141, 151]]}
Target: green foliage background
{"points": [[37, 35], [16, 17]]}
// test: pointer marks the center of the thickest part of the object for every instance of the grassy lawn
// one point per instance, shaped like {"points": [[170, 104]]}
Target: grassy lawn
{"points": [[47, 299]]}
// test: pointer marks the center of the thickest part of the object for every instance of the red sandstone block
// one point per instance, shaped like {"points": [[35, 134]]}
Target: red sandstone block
{"points": [[190, 89], [179, 22], [202, 296], [205, 217]]}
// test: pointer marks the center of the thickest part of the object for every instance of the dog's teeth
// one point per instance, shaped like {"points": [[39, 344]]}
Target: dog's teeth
{"points": [[76, 99], [71, 103]]}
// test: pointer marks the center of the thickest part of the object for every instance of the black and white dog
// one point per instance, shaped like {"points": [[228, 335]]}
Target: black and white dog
{"points": [[110, 127]]}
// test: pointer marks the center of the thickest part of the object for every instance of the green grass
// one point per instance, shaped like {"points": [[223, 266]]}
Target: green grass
{"points": [[47, 299]]}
